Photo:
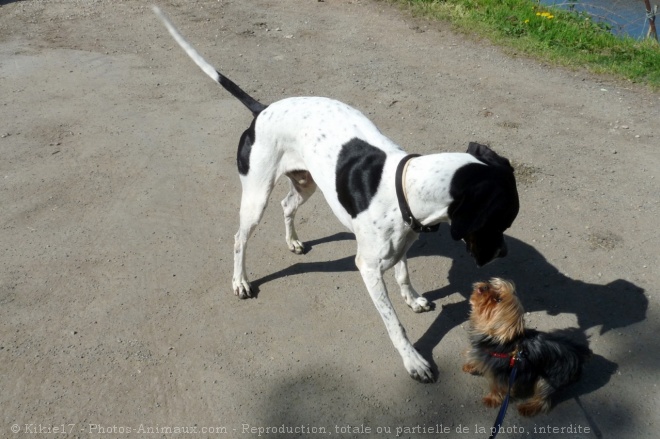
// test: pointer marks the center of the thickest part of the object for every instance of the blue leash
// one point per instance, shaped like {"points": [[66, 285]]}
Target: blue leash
{"points": [[505, 404]]}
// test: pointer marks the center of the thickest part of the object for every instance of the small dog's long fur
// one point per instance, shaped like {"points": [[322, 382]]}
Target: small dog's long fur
{"points": [[547, 361]]}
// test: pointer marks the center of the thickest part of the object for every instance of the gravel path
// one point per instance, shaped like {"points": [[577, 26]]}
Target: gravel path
{"points": [[119, 203]]}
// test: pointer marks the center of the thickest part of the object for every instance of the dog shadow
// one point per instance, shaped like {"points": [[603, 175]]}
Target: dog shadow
{"points": [[540, 286], [337, 266], [596, 373]]}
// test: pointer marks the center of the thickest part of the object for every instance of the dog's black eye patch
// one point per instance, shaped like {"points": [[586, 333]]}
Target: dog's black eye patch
{"points": [[359, 170]]}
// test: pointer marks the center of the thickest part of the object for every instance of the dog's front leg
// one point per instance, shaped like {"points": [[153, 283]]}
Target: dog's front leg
{"points": [[412, 298], [415, 364]]}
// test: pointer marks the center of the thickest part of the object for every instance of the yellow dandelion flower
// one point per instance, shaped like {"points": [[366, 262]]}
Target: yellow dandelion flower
{"points": [[547, 15]]}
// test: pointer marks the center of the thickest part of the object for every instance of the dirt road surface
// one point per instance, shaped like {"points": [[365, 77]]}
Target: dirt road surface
{"points": [[119, 200]]}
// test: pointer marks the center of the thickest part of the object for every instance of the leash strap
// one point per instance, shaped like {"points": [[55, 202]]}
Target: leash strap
{"points": [[505, 404], [407, 215]]}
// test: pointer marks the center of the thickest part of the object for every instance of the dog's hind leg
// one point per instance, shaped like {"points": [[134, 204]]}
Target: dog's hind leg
{"points": [[412, 298], [540, 401], [302, 186], [254, 200], [415, 364]]}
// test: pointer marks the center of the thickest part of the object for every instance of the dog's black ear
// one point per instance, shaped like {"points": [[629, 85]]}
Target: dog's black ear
{"points": [[484, 154], [469, 214], [483, 195], [477, 149]]}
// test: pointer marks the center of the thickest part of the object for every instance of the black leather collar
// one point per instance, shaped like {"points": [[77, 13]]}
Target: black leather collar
{"points": [[407, 215]]}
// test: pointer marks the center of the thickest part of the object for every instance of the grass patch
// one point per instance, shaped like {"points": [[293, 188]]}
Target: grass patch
{"points": [[561, 37]]}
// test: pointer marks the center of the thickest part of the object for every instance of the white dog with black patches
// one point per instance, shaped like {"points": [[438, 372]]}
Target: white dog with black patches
{"points": [[381, 194]]}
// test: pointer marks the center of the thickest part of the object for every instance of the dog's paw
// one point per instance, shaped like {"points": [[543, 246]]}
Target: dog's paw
{"points": [[492, 400], [242, 289], [296, 246], [534, 407], [471, 369], [420, 304], [418, 368]]}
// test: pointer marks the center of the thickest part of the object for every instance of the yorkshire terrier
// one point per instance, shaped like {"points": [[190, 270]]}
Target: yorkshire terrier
{"points": [[545, 362]]}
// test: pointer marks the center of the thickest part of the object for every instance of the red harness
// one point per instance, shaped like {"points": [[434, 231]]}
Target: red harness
{"points": [[512, 356]]}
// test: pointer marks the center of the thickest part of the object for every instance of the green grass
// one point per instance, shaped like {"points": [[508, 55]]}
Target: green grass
{"points": [[552, 35]]}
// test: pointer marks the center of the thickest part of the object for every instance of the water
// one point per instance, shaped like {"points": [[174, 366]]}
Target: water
{"points": [[627, 17]]}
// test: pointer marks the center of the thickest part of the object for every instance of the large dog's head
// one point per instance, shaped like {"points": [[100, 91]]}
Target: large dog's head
{"points": [[485, 203]]}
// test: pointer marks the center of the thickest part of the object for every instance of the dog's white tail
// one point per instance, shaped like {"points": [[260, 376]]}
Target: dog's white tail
{"points": [[252, 104], [185, 45]]}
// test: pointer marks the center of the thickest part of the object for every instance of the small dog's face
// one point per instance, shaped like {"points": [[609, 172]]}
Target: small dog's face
{"points": [[496, 311]]}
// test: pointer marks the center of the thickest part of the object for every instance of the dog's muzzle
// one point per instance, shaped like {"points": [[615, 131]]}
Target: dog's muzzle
{"points": [[499, 252]]}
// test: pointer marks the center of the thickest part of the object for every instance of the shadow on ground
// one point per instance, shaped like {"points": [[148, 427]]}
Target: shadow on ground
{"points": [[540, 285]]}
